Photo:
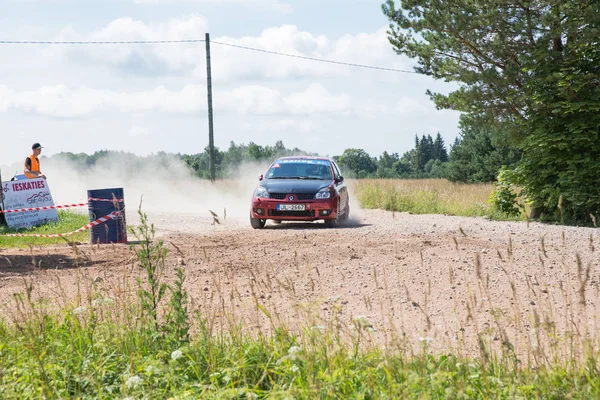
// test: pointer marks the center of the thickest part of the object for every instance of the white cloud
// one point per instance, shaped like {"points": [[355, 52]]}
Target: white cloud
{"points": [[281, 125], [265, 4], [230, 63], [139, 131], [123, 92], [317, 100], [61, 101], [364, 48], [142, 58]]}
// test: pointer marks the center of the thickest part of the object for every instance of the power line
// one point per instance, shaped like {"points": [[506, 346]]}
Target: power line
{"points": [[277, 53], [314, 58], [101, 42]]}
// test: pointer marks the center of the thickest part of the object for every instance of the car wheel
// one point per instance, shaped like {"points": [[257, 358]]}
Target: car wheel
{"points": [[346, 215], [257, 223], [331, 223]]}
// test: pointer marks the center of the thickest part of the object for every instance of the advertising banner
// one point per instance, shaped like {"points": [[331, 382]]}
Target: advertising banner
{"points": [[28, 193]]}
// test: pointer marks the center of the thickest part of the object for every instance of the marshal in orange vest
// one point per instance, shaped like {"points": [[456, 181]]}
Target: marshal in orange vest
{"points": [[32, 163]]}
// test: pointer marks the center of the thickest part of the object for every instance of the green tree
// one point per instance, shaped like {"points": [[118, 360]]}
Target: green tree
{"points": [[436, 169], [439, 149], [566, 136], [385, 165], [358, 162], [423, 152], [530, 69], [387, 160], [480, 153], [256, 152]]}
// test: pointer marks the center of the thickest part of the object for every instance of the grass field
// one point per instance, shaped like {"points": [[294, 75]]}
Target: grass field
{"points": [[83, 354], [424, 196], [146, 341], [69, 221]]}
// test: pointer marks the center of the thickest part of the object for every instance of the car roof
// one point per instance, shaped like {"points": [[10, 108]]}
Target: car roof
{"points": [[304, 158]]}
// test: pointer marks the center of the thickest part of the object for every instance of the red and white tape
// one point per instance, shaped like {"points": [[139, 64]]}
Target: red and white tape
{"points": [[99, 221], [42, 208], [58, 207]]}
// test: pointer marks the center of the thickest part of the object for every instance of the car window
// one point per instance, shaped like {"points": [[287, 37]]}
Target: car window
{"points": [[307, 169]]}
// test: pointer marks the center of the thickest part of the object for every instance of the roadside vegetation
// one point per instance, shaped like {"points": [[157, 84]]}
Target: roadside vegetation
{"points": [[143, 339], [69, 222], [424, 196], [499, 201]]}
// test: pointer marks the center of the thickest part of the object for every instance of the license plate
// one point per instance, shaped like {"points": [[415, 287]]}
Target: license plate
{"points": [[291, 207]]}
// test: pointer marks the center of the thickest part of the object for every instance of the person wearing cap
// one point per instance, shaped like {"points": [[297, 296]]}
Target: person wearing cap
{"points": [[32, 163]]}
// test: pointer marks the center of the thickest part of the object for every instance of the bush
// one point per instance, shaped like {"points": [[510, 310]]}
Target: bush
{"points": [[504, 197]]}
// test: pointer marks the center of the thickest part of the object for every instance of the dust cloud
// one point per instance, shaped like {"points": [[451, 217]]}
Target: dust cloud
{"points": [[164, 184]]}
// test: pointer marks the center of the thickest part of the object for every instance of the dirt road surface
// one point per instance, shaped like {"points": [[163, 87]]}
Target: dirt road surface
{"points": [[417, 280]]}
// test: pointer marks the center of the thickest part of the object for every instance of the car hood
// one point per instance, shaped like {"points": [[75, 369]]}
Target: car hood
{"points": [[294, 185]]}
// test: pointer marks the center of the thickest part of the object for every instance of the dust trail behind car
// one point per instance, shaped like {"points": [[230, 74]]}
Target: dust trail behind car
{"points": [[165, 187]]}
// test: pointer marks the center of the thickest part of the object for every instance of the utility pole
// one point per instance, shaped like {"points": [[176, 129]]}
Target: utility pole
{"points": [[2, 217], [211, 142]]}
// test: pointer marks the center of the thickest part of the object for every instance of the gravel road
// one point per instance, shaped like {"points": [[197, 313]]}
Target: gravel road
{"points": [[406, 280]]}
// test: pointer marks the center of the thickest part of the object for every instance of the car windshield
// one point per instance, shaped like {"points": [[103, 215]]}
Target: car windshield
{"points": [[300, 169]]}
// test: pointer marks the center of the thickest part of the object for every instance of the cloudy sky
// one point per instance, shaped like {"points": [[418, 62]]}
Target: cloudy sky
{"points": [[152, 97]]}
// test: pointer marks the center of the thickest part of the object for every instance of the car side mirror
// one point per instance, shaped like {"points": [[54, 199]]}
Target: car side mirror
{"points": [[260, 178], [340, 179]]}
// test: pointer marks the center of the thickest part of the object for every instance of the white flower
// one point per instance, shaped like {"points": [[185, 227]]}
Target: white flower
{"points": [[333, 298], [294, 349], [427, 340], [226, 378], [152, 370], [133, 382], [294, 369], [102, 301], [176, 355], [79, 310]]}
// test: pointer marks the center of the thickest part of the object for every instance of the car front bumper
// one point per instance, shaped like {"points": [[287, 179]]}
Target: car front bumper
{"points": [[314, 210]]}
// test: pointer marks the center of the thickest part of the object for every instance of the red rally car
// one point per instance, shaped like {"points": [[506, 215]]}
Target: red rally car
{"points": [[300, 189]]}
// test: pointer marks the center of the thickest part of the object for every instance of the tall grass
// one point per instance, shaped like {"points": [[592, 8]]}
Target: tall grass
{"points": [[424, 196], [145, 341]]}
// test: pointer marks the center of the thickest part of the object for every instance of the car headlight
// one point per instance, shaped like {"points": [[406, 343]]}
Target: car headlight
{"points": [[261, 192], [324, 193]]}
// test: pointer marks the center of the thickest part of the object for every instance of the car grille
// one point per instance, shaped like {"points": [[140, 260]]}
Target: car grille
{"points": [[299, 196], [275, 213]]}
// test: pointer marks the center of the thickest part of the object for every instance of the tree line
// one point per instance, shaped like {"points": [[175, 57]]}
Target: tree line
{"points": [[474, 157], [528, 77]]}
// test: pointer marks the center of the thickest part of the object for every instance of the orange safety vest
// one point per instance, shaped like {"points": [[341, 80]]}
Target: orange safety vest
{"points": [[35, 166]]}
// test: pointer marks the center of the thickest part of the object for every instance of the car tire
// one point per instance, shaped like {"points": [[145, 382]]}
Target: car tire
{"points": [[332, 223], [257, 223], [346, 215]]}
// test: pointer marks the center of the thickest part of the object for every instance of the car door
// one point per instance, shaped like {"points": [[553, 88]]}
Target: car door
{"points": [[340, 186]]}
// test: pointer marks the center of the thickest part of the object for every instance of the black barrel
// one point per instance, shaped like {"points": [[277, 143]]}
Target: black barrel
{"points": [[114, 230]]}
